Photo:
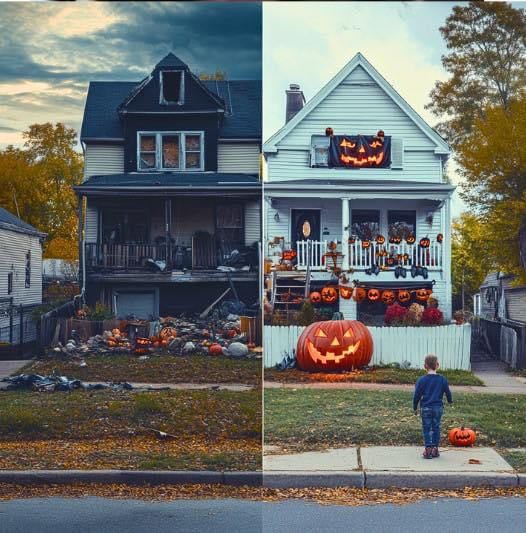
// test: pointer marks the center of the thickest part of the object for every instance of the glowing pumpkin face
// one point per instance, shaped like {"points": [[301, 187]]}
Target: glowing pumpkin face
{"points": [[334, 345], [362, 151], [373, 295], [380, 239], [404, 296], [329, 295], [366, 244], [388, 297], [422, 295], [315, 297], [424, 242], [410, 239], [345, 292], [395, 239], [352, 239], [359, 294]]}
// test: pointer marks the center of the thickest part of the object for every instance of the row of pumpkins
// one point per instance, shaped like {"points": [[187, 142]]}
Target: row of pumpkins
{"points": [[424, 242], [329, 295]]}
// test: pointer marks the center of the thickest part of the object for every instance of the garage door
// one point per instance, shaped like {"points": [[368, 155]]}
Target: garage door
{"points": [[139, 304]]}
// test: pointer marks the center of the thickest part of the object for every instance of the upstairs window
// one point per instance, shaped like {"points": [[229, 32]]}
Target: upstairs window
{"points": [[9, 283], [172, 87], [172, 151], [28, 269], [319, 156]]}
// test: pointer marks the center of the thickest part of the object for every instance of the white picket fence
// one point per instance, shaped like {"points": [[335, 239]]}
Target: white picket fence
{"points": [[451, 344]]}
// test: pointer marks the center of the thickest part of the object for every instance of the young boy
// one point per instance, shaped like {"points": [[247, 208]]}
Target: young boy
{"points": [[429, 390]]}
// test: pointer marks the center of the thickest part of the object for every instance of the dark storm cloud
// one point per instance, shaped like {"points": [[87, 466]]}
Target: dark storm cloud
{"points": [[207, 36]]}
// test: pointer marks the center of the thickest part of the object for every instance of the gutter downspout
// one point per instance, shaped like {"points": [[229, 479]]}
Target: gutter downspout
{"points": [[82, 236]]}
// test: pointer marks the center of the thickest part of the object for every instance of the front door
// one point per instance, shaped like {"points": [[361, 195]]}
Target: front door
{"points": [[305, 225]]}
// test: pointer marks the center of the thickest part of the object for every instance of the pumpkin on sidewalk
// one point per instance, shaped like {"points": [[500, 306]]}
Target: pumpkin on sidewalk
{"points": [[462, 436], [334, 345]]}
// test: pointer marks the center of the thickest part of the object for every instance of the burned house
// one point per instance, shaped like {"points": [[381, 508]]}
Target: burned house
{"points": [[170, 204]]}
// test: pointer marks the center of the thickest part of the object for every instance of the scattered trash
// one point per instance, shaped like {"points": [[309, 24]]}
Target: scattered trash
{"points": [[288, 362], [475, 462], [54, 383]]}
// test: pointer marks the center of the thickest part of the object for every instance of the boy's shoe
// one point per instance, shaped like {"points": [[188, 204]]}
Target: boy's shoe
{"points": [[435, 452], [428, 453]]}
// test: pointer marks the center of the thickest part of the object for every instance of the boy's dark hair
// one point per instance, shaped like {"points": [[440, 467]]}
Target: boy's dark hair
{"points": [[431, 361]]}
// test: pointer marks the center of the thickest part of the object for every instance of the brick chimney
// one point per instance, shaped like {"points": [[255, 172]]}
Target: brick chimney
{"points": [[295, 101]]}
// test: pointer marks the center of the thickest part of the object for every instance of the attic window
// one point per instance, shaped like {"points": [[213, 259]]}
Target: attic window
{"points": [[319, 156], [172, 87]]}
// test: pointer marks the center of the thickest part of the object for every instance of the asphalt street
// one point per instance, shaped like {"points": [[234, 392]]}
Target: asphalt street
{"points": [[87, 515]]}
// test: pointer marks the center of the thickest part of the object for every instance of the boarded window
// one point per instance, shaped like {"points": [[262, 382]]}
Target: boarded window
{"points": [[28, 269], [172, 87], [229, 223]]}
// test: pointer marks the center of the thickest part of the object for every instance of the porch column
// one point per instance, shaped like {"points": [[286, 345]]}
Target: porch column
{"points": [[167, 231], [345, 233], [446, 258]]}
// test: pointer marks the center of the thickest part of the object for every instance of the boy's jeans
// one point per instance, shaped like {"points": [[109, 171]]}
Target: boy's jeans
{"points": [[431, 425]]}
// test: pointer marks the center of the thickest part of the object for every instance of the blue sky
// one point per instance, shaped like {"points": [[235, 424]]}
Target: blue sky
{"points": [[50, 51], [309, 45]]}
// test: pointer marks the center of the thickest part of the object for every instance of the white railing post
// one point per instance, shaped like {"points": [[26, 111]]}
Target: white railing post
{"points": [[345, 233]]}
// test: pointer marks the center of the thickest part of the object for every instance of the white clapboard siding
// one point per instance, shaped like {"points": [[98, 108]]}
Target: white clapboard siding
{"points": [[451, 344], [238, 157], [103, 159], [92, 215], [252, 222]]}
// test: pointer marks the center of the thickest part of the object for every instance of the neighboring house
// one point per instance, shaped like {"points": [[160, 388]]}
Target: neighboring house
{"points": [[500, 299], [20, 272], [60, 270], [171, 199], [354, 163]]}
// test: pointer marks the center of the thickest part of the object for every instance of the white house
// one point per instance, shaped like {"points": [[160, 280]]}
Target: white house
{"points": [[20, 272], [357, 163]]}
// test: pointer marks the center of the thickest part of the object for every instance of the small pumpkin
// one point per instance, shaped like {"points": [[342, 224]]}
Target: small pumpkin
{"points": [[315, 297], [424, 242], [329, 131], [359, 294], [167, 331], [380, 133], [422, 295], [373, 295], [332, 245], [440, 237], [404, 296], [388, 297], [366, 244], [395, 239], [462, 436], [334, 345], [352, 239], [345, 292], [410, 239], [380, 239], [116, 331], [215, 349], [329, 295]]}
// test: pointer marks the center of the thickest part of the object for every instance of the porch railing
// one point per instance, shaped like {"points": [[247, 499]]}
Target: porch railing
{"points": [[123, 256], [362, 258]]}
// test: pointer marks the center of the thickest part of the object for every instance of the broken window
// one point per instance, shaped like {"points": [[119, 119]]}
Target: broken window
{"points": [[170, 151], [193, 151], [229, 223], [147, 152], [172, 87], [28, 269]]}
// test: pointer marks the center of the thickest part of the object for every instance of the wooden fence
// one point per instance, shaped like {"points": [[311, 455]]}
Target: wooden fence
{"points": [[451, 344]]}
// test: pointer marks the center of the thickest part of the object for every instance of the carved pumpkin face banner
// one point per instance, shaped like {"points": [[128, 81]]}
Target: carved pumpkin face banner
{"points": [[360, 151], [334, 345]]}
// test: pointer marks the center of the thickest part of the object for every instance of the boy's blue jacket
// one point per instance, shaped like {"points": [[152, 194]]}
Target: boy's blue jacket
{"points": [[430, 389]]}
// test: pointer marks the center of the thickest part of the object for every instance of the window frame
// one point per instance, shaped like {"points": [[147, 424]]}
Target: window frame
{"points": [[413, 215], [162, 99], [158, 135], [10, 282], [28, 270], [355, 212]]}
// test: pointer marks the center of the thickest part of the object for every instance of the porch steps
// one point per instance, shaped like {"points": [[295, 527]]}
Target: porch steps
{"points": [[289, 288]]}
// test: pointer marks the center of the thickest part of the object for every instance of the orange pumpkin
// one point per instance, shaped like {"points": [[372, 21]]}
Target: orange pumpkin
{"points": [[404, 296], [359, 294], [388, 297], [424, 242], [352, 239], [366, 244], [329, 295], [215, 349], [462, 436], [334, 345], [166, 332], [345, 292], [116, 331], [422, 295], [410, 239], [373, 295], [380, 239], [315, 297], [440, 237]]}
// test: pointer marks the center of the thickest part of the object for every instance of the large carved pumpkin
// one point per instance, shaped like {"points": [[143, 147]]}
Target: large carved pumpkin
{"points": [[345, 292], [329, 295], [462, 436], [334, 345]]}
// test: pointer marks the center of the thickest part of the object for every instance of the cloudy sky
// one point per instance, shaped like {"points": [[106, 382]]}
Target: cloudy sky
{"points": [[309, 45], [49, 52]]}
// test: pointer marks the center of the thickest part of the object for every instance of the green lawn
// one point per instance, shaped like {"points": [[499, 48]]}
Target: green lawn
{"points": [[375, 375], [516, 459], [302, 419], [163, 368]]}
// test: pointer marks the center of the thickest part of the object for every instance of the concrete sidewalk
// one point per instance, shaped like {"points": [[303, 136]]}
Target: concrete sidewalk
{"points": [[390, 466], [10, 367]]}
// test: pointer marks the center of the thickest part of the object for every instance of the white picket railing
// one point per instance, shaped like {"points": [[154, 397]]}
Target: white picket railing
{"points": [[311, 251], [451, 344]]}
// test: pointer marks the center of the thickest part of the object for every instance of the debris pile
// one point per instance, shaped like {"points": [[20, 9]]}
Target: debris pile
{"points": [[54, 383]]}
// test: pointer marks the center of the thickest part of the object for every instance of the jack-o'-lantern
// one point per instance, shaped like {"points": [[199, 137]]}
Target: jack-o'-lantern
{"points": [[410, 239], [359, 294], [404, 296], [422, 295], [380, 239], [345, 292], [388, 297], [334, 345], [315, 297], [352, 239], [395, 239], [329, 295], [424, 242], [362, 151], [373, 295], [168, 332], [142, 344], [329, 131], [366, 244], [215, 349], [332, 245], [462, 436], [440, 237]]}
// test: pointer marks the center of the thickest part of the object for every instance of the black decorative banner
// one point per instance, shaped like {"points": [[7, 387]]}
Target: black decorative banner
{"points": [[360, 151]]}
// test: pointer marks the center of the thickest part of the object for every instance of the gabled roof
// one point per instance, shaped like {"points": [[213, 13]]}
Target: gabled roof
{"points": [[171, 61], [10, 222], [442, 146]]}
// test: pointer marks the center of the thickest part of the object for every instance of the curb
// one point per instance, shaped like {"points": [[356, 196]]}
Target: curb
{"points": [[130, 477], [303, 479]]}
